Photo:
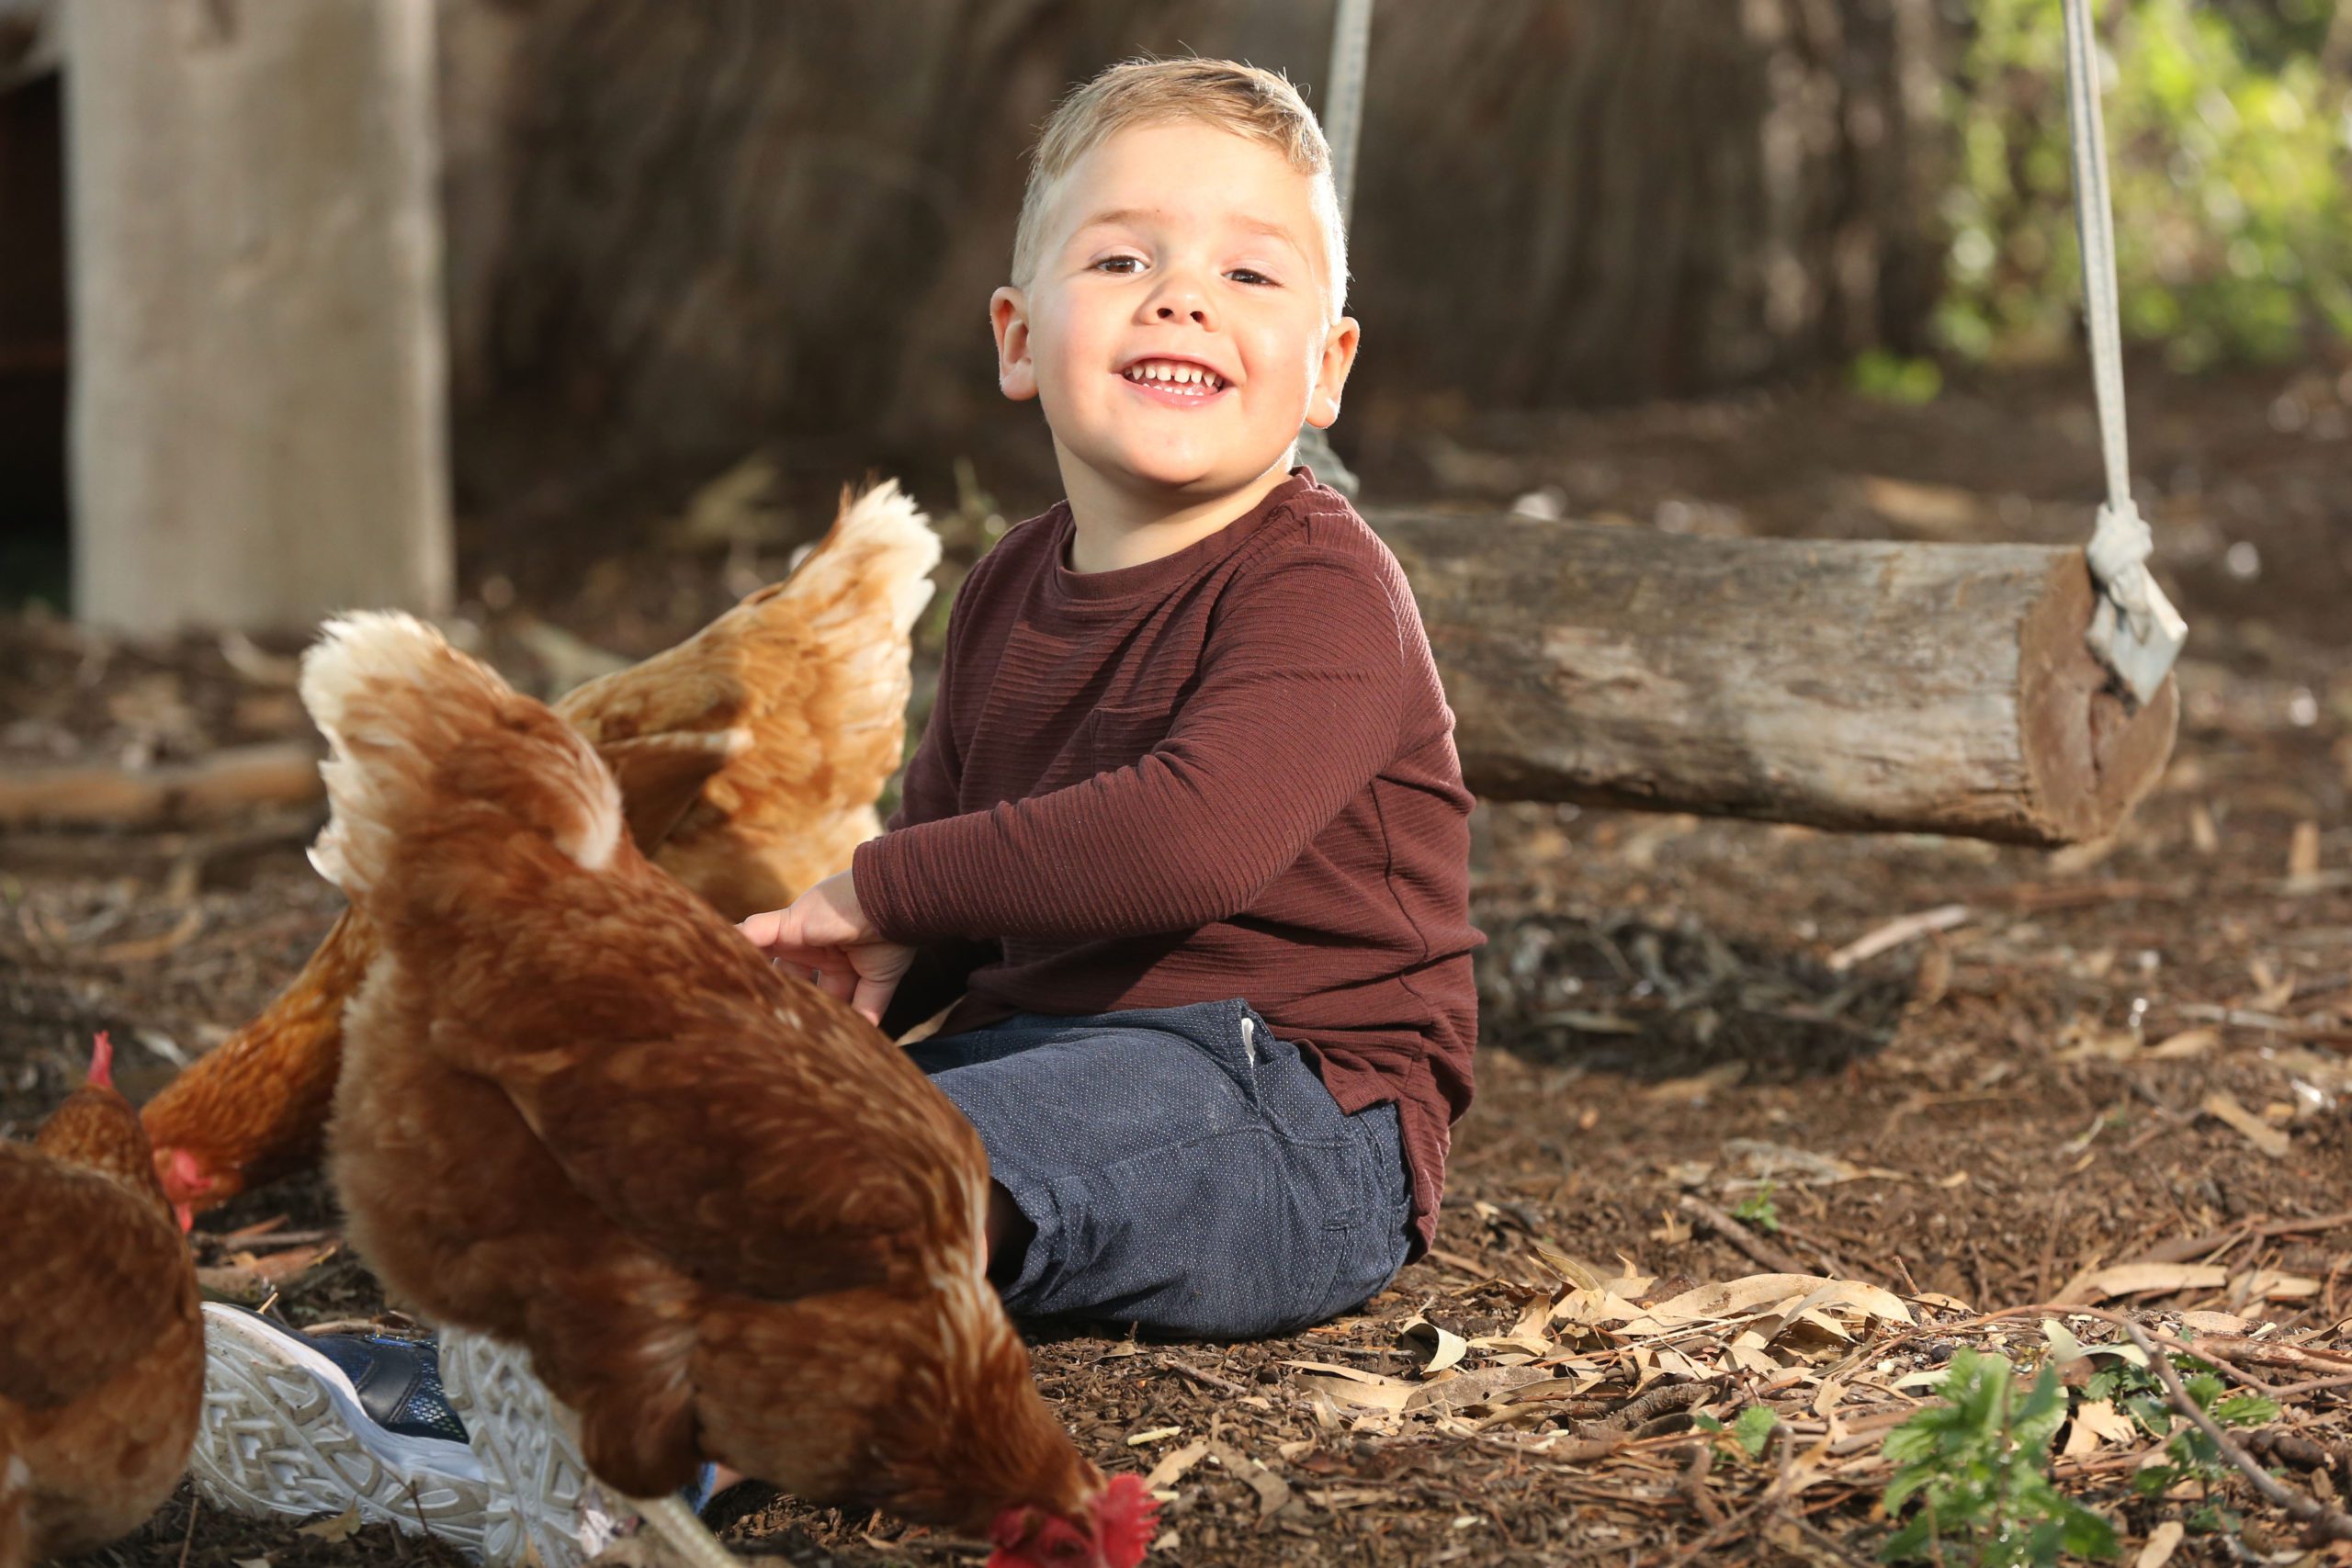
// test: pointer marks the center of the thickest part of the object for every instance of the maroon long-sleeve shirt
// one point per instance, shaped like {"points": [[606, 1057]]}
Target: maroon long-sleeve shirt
{"points": [[1227, 773]]}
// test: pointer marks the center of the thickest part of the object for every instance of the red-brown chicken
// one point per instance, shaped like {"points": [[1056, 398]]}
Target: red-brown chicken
{"points": [[579, 1114], [101, 1347], [748, 758]]}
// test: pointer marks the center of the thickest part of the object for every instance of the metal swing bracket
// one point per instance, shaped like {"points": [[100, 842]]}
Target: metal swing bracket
{"points": [[2135, 630]]}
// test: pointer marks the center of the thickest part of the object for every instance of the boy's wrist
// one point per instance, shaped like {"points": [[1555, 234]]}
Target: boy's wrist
{"points": [[868, 884]]}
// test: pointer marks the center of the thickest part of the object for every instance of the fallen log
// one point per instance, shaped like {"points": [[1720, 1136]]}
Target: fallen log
{"points": [[1857, 685], [229, 782]]}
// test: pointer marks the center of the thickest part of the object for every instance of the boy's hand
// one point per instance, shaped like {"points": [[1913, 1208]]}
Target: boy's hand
{"points": [[825, 931]]}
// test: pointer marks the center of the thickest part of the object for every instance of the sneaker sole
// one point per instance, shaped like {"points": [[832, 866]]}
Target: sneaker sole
{"points": [[545, 1507], [283, 1433]]}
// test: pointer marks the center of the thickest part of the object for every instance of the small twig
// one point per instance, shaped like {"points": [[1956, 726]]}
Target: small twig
{"points": [[1666, 1399], [1740, 1237], [1714, 1533], [2318, 1385], [1895, 933], [2332, 1523], [422, 1527], [2236, 1374], [1692, 1484], [2265, 1352], [1207, 1379], [1827, 1543], [195, 1501]]}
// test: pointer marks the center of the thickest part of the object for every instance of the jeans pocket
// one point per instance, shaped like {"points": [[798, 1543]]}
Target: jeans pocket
{"points": [[1375, 1243]]}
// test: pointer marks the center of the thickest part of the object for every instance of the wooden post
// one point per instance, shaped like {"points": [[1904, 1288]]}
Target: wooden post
{"points": [[1889, 687], [258, 409]]}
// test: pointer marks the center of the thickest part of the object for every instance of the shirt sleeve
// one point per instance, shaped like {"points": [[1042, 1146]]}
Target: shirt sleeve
{"points": [[1296, 709]]}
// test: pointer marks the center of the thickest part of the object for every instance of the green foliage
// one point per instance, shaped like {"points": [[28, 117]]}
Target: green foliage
{"points": [[1895, 378], [2190, 1454], [1756, 1209], [2231, 143], [1978, 1465], [1752, 1428]]}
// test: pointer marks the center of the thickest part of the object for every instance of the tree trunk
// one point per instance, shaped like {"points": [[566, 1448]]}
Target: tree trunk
{"points": [[258, 420], [1890, 687], [693, 227]]}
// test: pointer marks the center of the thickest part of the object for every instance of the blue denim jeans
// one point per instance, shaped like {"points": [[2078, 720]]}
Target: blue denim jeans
{"points": [[1185, 1169]]}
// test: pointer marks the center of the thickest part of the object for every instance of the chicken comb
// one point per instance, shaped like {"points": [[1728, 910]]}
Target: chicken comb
{"points": [[102, 1061], [1125, 1517]]}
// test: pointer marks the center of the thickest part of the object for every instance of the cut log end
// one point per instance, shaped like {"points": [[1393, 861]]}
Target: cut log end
{"points": [[2090, 754]]}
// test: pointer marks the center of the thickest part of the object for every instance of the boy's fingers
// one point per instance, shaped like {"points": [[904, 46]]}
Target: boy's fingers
{"points": [[763, 929], [873, 998], [793, 955]]}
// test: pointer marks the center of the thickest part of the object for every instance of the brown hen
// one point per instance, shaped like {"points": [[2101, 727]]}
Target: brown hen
{"points": [[581, 1114], [749, 759], [101, 1347]]}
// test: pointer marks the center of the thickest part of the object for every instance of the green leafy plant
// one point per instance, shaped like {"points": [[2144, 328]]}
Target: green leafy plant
{"points": [[2190, 1454], [1978, 1466], [2230, 132], [1752, 1428], [1756, 1209]]}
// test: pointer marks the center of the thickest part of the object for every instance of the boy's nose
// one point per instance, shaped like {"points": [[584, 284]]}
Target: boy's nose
{"points": [[1179, 297]]}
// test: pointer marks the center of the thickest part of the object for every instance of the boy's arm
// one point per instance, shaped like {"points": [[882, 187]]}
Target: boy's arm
{"points": [[1296, 708]]}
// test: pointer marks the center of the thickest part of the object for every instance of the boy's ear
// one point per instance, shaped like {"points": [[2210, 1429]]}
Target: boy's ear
{"points": [[1331, 372], [1016, 372]]}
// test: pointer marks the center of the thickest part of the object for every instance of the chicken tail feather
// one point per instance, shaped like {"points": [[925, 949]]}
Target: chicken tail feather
{"points": [[878, 536], [415, 728]]}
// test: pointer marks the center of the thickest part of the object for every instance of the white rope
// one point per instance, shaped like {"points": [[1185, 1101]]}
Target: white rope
{"points": [[1343, 125], [1342, 129], [2135, 630]]}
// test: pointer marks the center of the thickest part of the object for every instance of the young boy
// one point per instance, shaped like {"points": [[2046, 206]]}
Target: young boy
{"points": [[1187, 828], [1185, 843]]}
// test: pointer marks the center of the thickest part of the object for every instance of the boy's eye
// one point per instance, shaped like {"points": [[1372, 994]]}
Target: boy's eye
{"points": [[1122, 264], [1251, 276]]}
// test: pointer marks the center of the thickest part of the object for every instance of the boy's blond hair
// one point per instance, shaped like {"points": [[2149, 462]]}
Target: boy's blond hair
{"points": [[1243, 100]]}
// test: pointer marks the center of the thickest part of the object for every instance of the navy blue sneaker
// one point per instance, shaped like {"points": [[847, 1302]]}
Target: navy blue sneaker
{"points": [[302, 1424], [398, 1381], [307, 1423]]}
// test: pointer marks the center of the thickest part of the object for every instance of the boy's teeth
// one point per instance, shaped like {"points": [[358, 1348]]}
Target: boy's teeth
{"points": [[1174, 375]]}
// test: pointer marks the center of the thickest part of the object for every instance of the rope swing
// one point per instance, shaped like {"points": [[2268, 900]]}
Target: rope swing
{"points": [[2013, 692], [2135, 631]]}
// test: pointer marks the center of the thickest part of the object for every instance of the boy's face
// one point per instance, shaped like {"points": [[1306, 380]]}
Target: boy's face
{"points": [[1168, 246]]}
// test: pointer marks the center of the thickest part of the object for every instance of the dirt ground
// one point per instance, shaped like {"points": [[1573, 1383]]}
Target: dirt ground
{"points": [[2131, 1052]]}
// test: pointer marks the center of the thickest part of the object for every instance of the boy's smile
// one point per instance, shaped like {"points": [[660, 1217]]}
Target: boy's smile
{"points": [[1179, 330]]}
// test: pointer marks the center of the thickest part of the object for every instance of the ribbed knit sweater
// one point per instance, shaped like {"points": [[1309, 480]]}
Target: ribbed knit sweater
{"points": [[1227, 773]]}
